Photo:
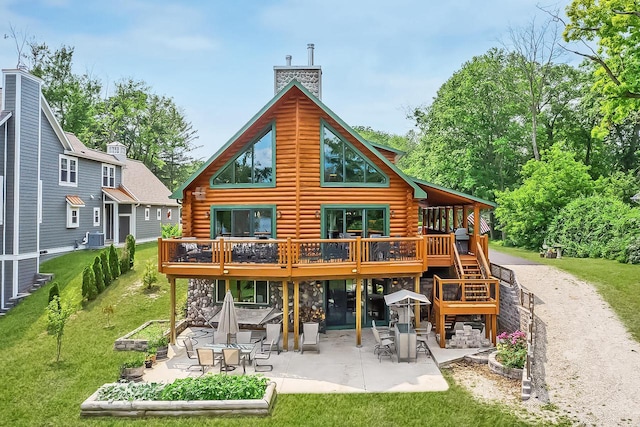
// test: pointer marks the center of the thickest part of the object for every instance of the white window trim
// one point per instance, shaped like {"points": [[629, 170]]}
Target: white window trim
{"points": [[68, 182], [96, 217], [159, 214], [40, 200], [146, 214], [70, 210], [109, 168]]}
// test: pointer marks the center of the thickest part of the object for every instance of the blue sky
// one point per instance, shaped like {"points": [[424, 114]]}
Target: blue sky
{"points": [[216, 58]]}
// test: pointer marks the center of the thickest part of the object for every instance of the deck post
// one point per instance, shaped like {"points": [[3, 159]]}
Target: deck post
{"points": [[227, 285], [172, 315], [296, 314], [443, 339], [285, 315], [446, 220], [465, 223], [358, 311], [476, 222], [416, 309]]}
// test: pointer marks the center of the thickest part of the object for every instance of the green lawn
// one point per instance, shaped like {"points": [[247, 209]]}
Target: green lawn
{"points": [[619, 284], [35, 390]]}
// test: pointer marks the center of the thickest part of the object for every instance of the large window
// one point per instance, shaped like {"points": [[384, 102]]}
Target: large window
{"points": [[68, 171], [243, 291], [253, 166], [243, 222], [343, 164], [355, 221], [108, 176]]}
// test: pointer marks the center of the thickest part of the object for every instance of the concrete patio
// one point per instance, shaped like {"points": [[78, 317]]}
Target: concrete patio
{"points": [[340, 367]]}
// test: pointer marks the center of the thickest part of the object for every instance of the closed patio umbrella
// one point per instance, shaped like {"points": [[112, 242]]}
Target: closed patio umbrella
{"points": [[228, 323]]}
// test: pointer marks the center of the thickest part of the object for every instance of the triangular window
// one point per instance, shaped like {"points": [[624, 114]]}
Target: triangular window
{"points": [[254, 165], [343, 164]]}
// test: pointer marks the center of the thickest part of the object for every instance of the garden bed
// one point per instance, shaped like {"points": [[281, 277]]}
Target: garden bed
{"points": [[138, 339], [92, 407]]}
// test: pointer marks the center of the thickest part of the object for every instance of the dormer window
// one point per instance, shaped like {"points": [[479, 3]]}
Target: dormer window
{"points": [[108, 176], [68, 171], [343, 165], [253, 167]]}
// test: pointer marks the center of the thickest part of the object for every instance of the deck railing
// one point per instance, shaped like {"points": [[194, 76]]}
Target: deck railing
{"points": [[459, 289], [291, 252]]}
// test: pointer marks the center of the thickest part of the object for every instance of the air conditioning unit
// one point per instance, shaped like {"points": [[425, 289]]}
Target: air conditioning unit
{"points": [[95, 240]]}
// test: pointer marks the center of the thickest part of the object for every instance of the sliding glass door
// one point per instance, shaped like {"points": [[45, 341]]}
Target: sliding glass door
{"points": [[355, 221]]}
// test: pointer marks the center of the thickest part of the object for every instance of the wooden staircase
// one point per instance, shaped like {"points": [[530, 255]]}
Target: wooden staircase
{"points": [[471, 270]]}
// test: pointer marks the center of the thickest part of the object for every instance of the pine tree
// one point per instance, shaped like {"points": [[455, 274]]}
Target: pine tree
{"points": [[97, 273], [88, 278], [114, 266], [105, 268]]}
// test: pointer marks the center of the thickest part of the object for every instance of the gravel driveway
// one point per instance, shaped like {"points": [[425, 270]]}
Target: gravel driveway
{"points": [[587, 364]]}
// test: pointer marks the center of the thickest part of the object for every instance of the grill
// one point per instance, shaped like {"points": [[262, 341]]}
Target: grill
{"points": [[462, 240]]}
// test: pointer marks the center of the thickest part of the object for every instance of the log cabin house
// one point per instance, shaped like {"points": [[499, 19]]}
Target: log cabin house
{"points": [[298, 212]]}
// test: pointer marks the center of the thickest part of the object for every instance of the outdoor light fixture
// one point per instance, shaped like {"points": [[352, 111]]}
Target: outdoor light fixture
{"points": [[318, 214], [207, 214], [393, 214], [278, 214], [225, 271]]}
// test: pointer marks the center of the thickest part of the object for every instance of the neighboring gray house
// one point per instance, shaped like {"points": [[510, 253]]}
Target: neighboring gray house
{"points": [[57, 195]]}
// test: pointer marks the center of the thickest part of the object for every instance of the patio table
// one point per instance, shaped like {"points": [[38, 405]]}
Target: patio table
{"points": [[245, 349]]}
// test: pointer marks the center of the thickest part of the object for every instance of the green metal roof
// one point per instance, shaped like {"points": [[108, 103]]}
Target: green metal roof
{"points": [[457, 193], [417, 191]]}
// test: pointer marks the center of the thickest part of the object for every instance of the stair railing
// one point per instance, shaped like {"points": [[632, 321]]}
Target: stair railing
{"points": [[482, 262], [457, 262]]}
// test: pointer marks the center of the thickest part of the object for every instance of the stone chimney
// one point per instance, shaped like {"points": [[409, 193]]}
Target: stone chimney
{"points": [[310, 75]]}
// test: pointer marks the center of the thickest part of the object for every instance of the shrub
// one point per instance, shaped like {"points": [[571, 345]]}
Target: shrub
{"points": [[114, 266], [106, 272], [98, 274], [124, 260], [89, 289], [55, 291], [633, 251], [512, 349], [596, 227], [150, 274], [171, 230], [131, 248]]}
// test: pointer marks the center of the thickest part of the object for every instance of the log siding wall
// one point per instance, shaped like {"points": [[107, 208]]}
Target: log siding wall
{"points": [[298, 193]]}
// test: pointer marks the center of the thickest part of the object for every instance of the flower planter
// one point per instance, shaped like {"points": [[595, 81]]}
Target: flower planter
{"points": [[500, 369], [138, 408], [132, 374]]}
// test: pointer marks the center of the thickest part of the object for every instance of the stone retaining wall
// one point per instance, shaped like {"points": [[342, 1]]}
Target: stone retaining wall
{"points": [[126, 343], [216, 408]]}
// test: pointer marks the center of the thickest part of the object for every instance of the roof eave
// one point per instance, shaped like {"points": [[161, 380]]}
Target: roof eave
{"points": [[457, 193]]}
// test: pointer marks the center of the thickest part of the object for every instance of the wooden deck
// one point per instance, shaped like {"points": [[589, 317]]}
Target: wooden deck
{"points": [[289, 259]]}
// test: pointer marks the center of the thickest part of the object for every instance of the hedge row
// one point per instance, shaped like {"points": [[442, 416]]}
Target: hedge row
{"points": [[107, 267]]}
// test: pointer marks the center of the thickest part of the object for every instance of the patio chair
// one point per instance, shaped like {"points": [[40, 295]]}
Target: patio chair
{"points": [[310, 336], [206, 359], [262, 357], [384, 331], [243, 337], [421, 338], [383, 346], [274, 331], [219, 337], [231, 358]]}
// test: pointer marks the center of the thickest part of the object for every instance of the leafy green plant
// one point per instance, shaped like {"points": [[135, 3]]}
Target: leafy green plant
{"points": [[159, 341], [114, 265], [633, 251], [150, 274], [171, 230], [130, 391], [216, 387], [134, 361], [512, 349], [57, 316]]}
